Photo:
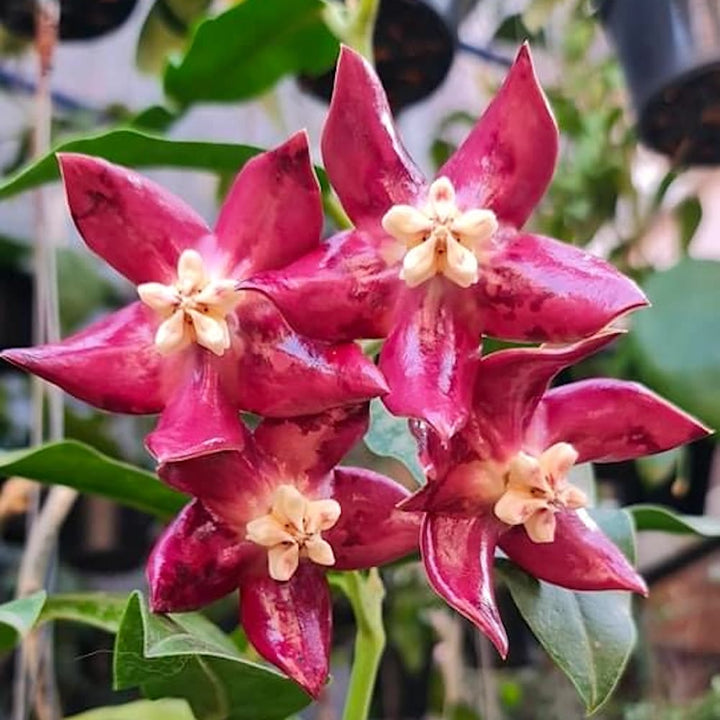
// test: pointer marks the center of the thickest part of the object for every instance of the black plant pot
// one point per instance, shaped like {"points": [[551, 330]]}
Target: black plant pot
{"points": [[79, 19], [414, 44], [670, 52]]}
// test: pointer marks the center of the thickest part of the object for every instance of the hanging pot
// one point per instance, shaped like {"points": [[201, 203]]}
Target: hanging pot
{"points": [[670, 53], [414, 45], [79, 19]]}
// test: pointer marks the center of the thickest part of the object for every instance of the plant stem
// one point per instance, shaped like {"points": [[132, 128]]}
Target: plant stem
{"points": [[354, 24], [366, 596]]}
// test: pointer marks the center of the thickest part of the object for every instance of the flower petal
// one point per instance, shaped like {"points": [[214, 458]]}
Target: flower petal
{"points": [[199, 417], [283, 561], [539, 289], [580, 558], [134, 224], [319, 551], [290, 623], [506, 163], [233, 485], [540, 526], [431, 357], [611, 420], [420, 263], [312, 445], [509, 386], [272, 214], [112, 364], [344, 290], [281, 374], [458, 555], [197, 560], [370, 530], [362, 153]]}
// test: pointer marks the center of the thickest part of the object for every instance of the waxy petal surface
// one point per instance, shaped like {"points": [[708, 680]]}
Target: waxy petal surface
{"points": [[281, 374], [362, 153], [197, 560], [112, 364], [612, 420], [289, 623], [541, 290], [199, 418], [312, 445], [370, 530], [431, 356], [131, 222], [272, 214], [344, 290], [509, 387], [458, 555], [581, 557], [506, 163]]}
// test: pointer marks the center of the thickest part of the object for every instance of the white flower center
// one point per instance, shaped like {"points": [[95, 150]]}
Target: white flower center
{"points": [[194, 309], [536, 488], [439, 237], [291, 530]]}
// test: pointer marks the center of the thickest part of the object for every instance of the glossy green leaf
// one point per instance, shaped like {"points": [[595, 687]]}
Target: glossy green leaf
{"points": [[247, 49], [589, 635], [654, 517], [186, 656], [18, 617], [80, 466], [677, 341], [99, 610], [389, 436], [167, 709], [134, 149]]}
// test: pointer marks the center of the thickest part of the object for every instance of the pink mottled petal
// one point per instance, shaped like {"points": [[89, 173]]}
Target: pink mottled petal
{"points": [[458, 555], [431, 356], [112, 364], [199, 417], [612, 420], [132, 223], [509, 386], [370, 530], [290, 623], [312, 445], [434, 454], [235, 486], [581, 557], [363, 155], [507, 161], [344, 290], [272, 214], [541, 290], [281, 374], [197, 560]]}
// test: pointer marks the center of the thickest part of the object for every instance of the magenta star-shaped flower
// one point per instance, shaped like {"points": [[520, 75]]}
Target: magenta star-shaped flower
{"points": [[271, 521], [433, 265], [194, 348], [503, 479]]}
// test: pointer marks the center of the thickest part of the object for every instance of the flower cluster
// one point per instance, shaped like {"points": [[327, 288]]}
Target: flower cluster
{"points": [[260, 315]]}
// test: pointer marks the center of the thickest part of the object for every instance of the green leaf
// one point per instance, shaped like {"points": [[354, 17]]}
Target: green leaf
{"points": [[390, 436], [654, 517], [677, 341], [134, 149], [99, 610], [689, 214], [186, 656], [589, 635], [83, 468], [247, 49], [18, 617], [167, 709]]}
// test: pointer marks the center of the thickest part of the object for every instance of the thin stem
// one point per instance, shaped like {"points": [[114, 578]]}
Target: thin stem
{"points": [[335, 211], [366, 596], [354, 24]]}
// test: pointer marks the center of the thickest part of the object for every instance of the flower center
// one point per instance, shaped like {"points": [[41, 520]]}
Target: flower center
{"points": [[292, 529], [536, 488], [194, 309], [439, 237]]}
